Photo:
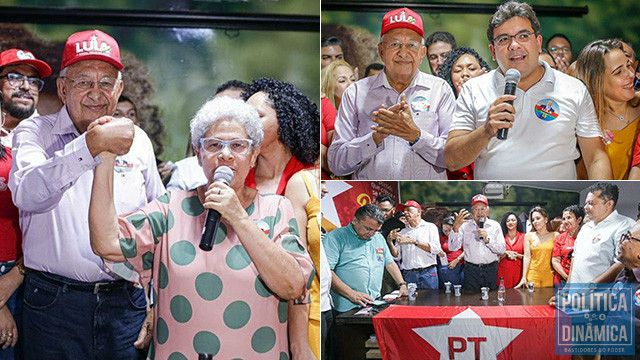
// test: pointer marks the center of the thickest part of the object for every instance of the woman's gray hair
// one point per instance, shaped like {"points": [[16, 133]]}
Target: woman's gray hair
{"points": [[223, 108]]}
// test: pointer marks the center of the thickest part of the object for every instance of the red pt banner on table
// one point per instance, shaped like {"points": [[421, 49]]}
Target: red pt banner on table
{"points": [[466, 332]]}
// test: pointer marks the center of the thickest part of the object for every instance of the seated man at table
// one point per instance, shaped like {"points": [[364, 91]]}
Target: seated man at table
{"points": [[357, 255], [483, 242], [417, 246], [630, 257]]}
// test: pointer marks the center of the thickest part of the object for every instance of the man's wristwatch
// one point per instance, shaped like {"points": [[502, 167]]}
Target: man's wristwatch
{"points": [[402, 283], [20, 266], [417, 242]]}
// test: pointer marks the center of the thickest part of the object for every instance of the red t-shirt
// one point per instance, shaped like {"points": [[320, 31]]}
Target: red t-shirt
{"points": [[466, 173], [562, 247], [451, 255], [10, 234], [636, 153], [293, 166], [329, 113]]}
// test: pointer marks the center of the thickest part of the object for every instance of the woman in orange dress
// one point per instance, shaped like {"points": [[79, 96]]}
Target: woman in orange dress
{"points": [[538, 246], [510, 266]]}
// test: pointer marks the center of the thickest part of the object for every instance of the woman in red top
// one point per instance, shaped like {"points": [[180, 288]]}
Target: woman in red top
{"points": [[563, 247], [510, 266], [11, 276], [450, 263]]}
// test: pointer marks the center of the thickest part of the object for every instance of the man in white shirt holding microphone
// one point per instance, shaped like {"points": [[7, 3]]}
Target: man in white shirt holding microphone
{"points": [[549, 112], [483, 242]]}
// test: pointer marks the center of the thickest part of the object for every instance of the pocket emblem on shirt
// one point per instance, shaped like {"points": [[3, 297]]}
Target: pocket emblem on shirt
{"points": [[596, 239], [266, 229], [379, 257], [420, 103], [547, 110], [379, 250], [123, 165]]}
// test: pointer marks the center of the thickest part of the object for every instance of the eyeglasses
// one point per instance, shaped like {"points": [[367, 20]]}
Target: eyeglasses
{"points": [[522, 37], [214, 146], [105, 84], [412, 46], [367, 229], [442, 56], [16, 80], [557, 49], [627, 236], [479, 209]]}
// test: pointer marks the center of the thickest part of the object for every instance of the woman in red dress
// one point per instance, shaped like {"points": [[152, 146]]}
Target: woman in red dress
{"points": [[510, 266], [572, 218]]}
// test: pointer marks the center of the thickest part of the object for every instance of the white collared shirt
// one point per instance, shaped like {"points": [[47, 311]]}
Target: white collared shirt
{"points": [[542, 143], [597, 246], [414, 257], [475, 250]]}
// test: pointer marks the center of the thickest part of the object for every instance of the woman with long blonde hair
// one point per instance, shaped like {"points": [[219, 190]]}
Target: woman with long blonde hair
{"points": [[335, 78], [607, 72]]}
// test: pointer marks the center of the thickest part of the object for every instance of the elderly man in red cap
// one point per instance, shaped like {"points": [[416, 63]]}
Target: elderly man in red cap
{"points": [[417, 246], [393, 126], [21, 75], [74, 307], [483, 243]]}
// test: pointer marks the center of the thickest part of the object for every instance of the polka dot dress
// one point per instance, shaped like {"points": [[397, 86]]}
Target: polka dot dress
{"points": [[209, 302]]}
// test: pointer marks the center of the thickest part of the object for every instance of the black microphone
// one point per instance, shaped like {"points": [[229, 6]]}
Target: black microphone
{"points": [[511, 78], [223, 174], [481, 221]]}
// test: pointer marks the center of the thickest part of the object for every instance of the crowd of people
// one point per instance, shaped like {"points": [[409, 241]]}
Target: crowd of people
{"points": [[569, 118], [100, 261], [468, 248]]}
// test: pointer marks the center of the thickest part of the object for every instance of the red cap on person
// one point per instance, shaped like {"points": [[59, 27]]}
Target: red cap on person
{"points": [[91, 45], [402, 18], [18, 56], [409, 203], [479, 199]]}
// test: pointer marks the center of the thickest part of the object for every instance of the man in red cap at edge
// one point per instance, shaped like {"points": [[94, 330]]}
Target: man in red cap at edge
{"points": [[394, 125], [21, 75], [74, 307], [483, 243], [417, 246]]}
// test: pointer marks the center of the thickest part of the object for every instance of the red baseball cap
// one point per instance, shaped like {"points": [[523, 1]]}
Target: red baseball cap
{"points": [[402, 18], [479, 199], [409, 203], [91, 45], [17, 56]]}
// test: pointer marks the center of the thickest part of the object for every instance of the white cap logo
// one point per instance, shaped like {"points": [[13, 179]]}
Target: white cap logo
{"points": [[25, 55], [93, 46]]}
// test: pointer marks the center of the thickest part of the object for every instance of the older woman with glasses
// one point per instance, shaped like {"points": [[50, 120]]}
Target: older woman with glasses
{"points": [[232, 301]]}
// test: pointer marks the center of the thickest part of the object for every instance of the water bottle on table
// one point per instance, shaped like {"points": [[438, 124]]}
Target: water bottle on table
{"points": [[501, 290]]}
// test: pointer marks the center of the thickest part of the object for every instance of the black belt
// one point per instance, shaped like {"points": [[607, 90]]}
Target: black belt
{"points": [[422, 269], [94, 287], [482, 265]]}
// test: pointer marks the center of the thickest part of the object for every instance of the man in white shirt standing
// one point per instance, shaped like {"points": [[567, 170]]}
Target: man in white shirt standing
{"points": [[483, 242], [598, 242], [482, 109], [417, 246]]}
